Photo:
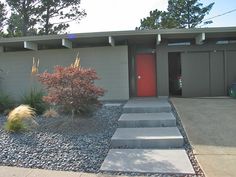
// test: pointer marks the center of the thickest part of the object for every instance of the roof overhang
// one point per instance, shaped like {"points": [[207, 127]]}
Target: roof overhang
{"points": [[112, 38]]}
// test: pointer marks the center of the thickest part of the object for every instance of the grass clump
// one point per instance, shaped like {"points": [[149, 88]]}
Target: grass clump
{"points": [[20, 118], [50, 113], [35, 100]]}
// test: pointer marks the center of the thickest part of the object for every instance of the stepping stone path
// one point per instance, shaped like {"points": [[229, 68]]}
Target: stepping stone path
{"points": [[147, 140]]}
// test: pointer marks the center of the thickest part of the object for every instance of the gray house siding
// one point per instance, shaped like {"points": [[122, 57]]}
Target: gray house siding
{"points": [[207, 70], [208, 66], [111, 64]]}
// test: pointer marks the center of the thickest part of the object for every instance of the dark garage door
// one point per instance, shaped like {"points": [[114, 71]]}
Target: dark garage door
{"points": [[202, 74]]}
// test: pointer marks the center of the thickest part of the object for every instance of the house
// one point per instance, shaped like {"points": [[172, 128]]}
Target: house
{"points": [[182, 62]]}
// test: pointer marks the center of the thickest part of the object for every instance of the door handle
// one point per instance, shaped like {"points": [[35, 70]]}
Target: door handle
{"points": [[139, 77]]}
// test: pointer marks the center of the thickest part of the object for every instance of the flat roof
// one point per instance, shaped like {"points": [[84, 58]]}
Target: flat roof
{"points": [[120, 37]]}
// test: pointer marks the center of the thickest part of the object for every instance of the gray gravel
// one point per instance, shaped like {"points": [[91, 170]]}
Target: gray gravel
{"points": [[60, 143], [78, 145]]}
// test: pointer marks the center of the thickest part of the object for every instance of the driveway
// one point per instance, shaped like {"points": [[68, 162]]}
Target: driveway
{"points": [[210, 124]]}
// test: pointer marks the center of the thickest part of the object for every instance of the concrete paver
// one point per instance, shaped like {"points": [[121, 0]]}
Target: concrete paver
{"points": [[210, 124], [158, 137], [166, 119], [147, 105], [148, 161]]}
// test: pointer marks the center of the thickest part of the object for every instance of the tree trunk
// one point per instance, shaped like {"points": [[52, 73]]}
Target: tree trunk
{"points": [[47, 19]]}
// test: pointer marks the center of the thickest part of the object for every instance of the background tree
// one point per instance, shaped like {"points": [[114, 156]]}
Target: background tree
{"points": [[189, 13], [179, 14], [2, 17], [157, 20], [61, 12], [23, 17], [153, 21], [32, 17]]}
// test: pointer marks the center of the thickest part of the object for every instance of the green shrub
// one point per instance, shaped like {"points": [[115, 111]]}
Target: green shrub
{"points": [[20, 118], [35, 100], [6, 103]]}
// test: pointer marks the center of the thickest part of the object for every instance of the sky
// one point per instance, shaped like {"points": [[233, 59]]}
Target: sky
{"points": [[118, 15]]}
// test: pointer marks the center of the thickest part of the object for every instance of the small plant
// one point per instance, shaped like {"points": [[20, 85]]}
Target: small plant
{"points": [[72, 88], [232, 90], [35, 100], [6, 102], [20, 118], [50, 113]]}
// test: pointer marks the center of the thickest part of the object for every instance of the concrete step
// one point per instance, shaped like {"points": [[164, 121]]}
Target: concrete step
{"points": [[171, 161], [138, 138], [147, 105], [147, 120]]}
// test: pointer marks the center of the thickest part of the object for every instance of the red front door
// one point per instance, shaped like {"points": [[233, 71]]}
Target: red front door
{"points": [[146, 75]]}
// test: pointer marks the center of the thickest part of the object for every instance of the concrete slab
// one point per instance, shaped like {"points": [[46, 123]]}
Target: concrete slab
{"points": [[211, 128], [6, 171], [14, 171], [148, 161], [52, 173], [112, 104], [147, 105], [162, 137], [218, 165], [147, 120]]}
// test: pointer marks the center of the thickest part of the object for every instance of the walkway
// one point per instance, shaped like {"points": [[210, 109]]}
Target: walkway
{"points": [[147, 140], [210, 124], [28, 172]]}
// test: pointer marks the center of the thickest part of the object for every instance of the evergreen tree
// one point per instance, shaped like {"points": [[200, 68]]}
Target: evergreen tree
{"points": [[32, 17], [188, 14], [61, 12], [23, 17], [2, 17], [179, 14]]}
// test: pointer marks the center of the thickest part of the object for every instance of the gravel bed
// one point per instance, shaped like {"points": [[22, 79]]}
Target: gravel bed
{"points": [[73, 145], [61, 143]]}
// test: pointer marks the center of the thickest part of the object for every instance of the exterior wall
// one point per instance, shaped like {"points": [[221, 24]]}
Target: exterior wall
{"points": [[111, 64], [207, 70], [162, 73]]}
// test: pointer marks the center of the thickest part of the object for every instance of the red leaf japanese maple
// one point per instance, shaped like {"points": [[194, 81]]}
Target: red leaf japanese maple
{"points": [[72, 87]]}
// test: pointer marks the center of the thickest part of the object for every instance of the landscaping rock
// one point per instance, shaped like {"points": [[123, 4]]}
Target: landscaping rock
{"points": [[61, 143]]}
